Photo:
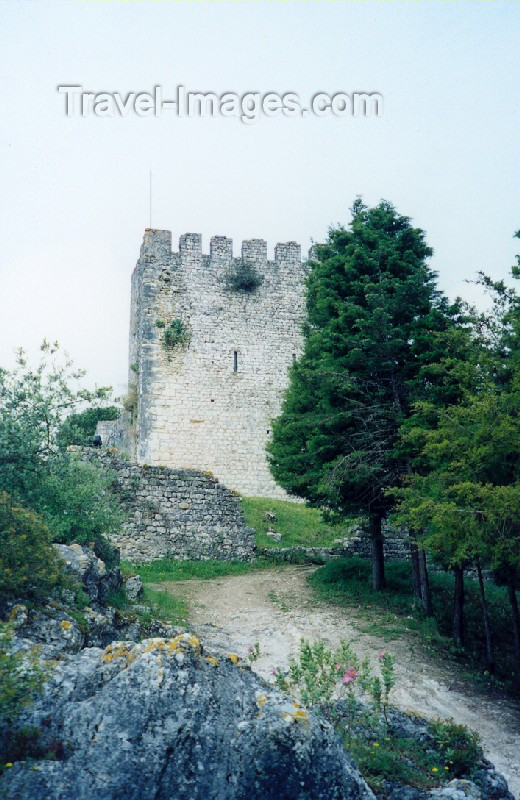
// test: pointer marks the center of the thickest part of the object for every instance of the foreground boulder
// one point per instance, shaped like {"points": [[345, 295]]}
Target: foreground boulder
{"points": [[163, 719]]}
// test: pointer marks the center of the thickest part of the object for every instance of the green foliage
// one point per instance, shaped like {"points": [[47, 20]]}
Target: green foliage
{"points": [[36, 401], [175, 334], [390, 612], [374, 319], [29, 566], [39, 416], [459, 746], [299, 524], [403, 761], [76, 501], [166, 569], [164, 606], [243, 277], [25, 743], [21, 678], [79, 428], [356, 699]]}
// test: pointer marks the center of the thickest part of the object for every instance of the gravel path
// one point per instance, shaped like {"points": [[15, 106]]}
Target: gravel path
{"points": [[277, 607]]}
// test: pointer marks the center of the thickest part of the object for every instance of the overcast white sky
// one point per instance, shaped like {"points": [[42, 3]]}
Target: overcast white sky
{"points": [[74, 199]]}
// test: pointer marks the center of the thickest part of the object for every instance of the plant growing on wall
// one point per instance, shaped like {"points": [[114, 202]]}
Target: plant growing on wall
{"points": [[243, 277], [175, 334]]}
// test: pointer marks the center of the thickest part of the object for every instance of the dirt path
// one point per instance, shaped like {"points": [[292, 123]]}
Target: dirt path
{"points": [[276, 608]]}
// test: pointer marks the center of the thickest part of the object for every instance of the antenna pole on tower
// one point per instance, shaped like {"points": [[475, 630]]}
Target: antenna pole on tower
{"points": [[150, 198]]}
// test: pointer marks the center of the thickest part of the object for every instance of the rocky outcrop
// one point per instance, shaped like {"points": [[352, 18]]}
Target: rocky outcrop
{"points": [[61, 627], [83, 566], [164, 719]]}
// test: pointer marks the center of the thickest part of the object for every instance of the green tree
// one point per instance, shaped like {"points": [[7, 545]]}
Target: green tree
{"points": [[466, 489], [72, 497], [35, 404], [373, 307]]}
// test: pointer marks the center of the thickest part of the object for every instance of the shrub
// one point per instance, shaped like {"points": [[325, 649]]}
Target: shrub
{"points": [[77, 502], [29, 565], [243, 277], [459, 746], [175, 334]]}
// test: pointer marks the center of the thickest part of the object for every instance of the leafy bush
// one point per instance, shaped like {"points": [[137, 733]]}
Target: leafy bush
{"points": [[36, 401], [243, 277], [175, 334], [29, 566], [76, 501], [458, 745]]}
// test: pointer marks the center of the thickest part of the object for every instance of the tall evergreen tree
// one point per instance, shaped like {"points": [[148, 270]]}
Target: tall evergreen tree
{"points": [[465, 488], [373, 308]]}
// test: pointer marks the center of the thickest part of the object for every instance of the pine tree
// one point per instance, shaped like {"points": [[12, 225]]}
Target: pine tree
{"points": [[372, 308]]}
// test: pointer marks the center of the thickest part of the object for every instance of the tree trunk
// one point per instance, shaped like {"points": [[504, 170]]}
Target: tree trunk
{"points": [[490, 655], [425, 585], [416, 569], [516, 628], [458, 607], [378, 556]]}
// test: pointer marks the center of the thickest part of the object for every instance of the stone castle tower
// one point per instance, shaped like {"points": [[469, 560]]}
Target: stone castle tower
{"points": [[207, 401]]}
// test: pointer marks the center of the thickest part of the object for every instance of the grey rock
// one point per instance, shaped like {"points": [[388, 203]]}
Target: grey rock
{"points": [[274, 535], [457, 790], [163, 719], [54, 630], [18, 616], [134, 587], [82, 564], [491, 782]]}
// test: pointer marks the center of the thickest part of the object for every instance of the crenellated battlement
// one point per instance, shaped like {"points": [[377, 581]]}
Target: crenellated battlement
{"points": [[157, 245]]}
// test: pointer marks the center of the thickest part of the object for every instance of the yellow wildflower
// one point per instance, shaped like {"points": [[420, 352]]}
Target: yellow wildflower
{"points": [[434, 769], [376, 744]]}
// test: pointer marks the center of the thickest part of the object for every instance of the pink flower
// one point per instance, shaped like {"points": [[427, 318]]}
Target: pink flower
{"points": [[349, 676], [339, 666], [382, 655]]}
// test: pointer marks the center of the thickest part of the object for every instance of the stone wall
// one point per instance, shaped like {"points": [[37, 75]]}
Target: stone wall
{"points": [[396, 547], [209, 405], [182, 514]]}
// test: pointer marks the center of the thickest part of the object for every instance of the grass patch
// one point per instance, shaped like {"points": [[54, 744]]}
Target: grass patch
{"points": [[388, 613], [299, 525], [166, 569], [164, 606]]}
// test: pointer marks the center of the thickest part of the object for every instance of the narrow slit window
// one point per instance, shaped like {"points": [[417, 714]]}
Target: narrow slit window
{"points": [[235, 361], [294, 357]]}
